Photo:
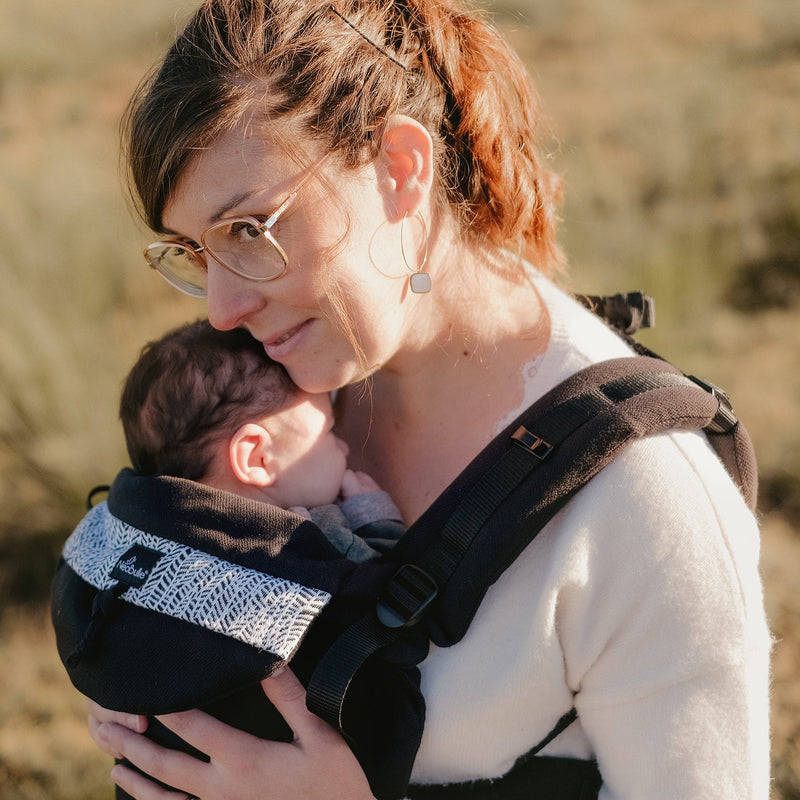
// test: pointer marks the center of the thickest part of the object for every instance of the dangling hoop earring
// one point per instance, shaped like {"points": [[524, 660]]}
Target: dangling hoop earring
{"points": [[419, 281]]}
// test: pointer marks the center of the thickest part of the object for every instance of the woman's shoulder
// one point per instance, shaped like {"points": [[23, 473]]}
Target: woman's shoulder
{"points": [[663, 539], [665, 508], [670, 485], [666, 493]]}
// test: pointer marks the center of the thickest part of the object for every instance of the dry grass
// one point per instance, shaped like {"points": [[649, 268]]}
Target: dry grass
{"points": [[780, 556], [45, 749], [678, 142]]}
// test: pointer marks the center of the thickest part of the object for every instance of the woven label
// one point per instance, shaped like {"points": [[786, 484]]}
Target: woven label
{"points": [[135, 566]]}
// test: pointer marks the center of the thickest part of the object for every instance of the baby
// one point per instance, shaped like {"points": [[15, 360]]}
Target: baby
{"points": [[192, 582], [210, 406]]}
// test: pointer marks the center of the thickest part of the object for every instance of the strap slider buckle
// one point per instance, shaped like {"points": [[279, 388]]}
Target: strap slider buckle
{"points": [[724, 420], [406, 596], [531, 443]]}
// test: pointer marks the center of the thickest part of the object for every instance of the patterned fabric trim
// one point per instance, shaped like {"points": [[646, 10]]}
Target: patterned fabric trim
{"points": [[261, 610]]}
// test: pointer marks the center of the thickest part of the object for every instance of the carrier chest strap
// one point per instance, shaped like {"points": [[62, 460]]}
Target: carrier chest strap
{"points": [[614, 389]]}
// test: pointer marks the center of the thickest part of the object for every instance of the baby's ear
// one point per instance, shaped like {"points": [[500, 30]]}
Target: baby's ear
{"points": [[249, 451]]}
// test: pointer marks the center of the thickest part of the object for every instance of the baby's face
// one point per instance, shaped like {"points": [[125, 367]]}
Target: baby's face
{"points": [[310, 461]]}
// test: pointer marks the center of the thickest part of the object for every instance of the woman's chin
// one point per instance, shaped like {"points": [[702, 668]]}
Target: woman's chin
{"points": [[317, 381]]}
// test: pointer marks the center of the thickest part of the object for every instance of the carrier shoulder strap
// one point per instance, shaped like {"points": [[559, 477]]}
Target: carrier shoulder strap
{"points": [[534, 468]]}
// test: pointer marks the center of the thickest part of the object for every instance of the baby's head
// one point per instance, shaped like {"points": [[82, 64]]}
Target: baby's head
{"points": [[210, 406]]}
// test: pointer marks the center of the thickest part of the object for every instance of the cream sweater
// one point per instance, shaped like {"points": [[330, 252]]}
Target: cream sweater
{"points": [[640, 603]]}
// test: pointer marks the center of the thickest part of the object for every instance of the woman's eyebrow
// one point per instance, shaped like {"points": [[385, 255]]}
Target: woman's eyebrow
{"points": [[220, 212], [231, 204]]}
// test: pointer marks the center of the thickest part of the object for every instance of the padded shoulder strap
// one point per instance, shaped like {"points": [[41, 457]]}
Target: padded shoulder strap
{"points": [[511, 490]]}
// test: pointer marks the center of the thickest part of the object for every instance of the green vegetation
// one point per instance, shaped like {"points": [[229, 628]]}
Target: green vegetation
{"points": [[675, 128]]}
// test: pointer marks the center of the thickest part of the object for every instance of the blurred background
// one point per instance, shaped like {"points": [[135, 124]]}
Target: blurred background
{"points": [[676, 127]]}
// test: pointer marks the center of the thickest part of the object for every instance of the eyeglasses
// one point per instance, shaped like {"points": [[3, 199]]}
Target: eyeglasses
{"points": [[243, 245]]}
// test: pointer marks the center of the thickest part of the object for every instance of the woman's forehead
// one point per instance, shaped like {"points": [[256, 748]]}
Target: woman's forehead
{"points": [[239, 164]]}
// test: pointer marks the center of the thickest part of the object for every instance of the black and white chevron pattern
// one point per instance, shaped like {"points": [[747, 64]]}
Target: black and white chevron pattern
{"points": [[266, 612]]}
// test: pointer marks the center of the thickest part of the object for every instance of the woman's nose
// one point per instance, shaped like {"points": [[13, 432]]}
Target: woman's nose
{"points": [[231, 299]]}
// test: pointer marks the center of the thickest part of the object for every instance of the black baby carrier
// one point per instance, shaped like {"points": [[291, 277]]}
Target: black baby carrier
{"points": [[171, 595]]}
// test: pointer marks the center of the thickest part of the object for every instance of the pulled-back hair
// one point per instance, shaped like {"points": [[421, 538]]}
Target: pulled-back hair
{"points": [[338, 71], [189, 389]]}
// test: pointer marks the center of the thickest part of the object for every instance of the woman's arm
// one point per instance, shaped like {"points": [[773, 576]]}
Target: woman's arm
{"points": [[667, 642], [317, 764]]}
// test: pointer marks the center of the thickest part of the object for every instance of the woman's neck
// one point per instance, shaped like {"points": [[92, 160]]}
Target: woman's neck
{"points": [[418, 421]]}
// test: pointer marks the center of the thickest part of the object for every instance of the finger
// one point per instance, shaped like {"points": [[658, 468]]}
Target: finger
{"points": [[354, 483], [288, 696], [169, 766], [212, 737], [135, 722], [138, 786], [101, 738], [301, 511], [367, 482], [349, 484]]}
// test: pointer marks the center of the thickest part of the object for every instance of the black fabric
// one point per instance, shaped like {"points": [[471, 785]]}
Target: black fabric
{"points": [[539, 777], [246, 532], [501, 501], [664, 399], [584, 423], [147, 663]]}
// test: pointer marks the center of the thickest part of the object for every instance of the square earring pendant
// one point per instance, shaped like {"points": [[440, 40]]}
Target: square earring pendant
{"points": [[420, 282]]}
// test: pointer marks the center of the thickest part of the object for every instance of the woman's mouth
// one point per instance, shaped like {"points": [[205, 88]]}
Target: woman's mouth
{"points": [[285, 343]]}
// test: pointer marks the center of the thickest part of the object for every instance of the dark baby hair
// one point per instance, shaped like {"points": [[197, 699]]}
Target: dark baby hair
{"points": [[189, 389]]}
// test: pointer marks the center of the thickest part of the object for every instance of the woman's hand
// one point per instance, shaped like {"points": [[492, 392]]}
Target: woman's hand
{"points": [[317, 764]]}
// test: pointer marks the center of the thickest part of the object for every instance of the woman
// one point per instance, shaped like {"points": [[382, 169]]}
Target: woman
{"points": [[380, 158]]}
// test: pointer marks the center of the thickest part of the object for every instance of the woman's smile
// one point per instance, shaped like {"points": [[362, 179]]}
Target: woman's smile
{"points": [[282, 345]]}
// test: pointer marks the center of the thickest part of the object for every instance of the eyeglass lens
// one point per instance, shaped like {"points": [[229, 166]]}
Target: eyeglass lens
{"points": [[180, 266], [237, 244], [245, 249]]}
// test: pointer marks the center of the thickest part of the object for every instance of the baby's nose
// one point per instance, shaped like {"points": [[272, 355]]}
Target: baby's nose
{"points": [[343, 446]]}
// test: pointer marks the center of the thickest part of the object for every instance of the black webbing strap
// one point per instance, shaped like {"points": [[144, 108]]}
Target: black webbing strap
{"points": [[563, 723], [410, 592], [413, 587]]}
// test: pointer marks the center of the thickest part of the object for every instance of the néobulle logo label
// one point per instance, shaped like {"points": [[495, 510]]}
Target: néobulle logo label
{"points": [[136, 565]]}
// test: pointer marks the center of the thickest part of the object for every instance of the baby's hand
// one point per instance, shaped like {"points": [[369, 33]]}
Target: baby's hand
{"points": [[354, 483], [301, 510]]}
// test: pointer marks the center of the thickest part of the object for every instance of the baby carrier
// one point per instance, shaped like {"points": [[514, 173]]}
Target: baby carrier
{"points": [[171, 595]]}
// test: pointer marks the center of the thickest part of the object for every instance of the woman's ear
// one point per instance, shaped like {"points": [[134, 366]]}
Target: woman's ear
{"points": [[406, 165], [249, 452]]}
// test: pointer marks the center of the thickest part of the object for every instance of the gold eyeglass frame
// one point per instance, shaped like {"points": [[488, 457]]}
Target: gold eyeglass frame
{"points": [[261, 227]]}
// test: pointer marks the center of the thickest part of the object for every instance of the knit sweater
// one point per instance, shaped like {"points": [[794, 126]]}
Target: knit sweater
{"points": [[640, 604]]}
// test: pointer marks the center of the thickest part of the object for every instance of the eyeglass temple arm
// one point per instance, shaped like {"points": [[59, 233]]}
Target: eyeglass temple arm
{"points": [[273, 217]]}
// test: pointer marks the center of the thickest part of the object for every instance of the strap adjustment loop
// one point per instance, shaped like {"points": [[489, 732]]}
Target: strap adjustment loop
{"points": [[406, 596], [531, 443]]}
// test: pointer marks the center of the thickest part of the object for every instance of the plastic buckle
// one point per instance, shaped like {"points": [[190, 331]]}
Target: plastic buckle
{"points": [[406, 596], [724, 420], [531, 443]]}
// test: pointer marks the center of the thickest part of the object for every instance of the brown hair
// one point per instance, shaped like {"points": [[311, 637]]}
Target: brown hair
{"points": [[338, 72], [189, 389]]}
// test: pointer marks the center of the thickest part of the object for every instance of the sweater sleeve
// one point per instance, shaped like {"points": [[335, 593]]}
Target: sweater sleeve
{"points": [[663, 629], [369, 507]]}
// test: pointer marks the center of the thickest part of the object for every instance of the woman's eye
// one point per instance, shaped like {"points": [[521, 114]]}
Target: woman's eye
{"points": [[244, 231]]}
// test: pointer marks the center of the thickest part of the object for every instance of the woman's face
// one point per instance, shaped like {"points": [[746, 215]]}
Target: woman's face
{"points": [[243, 175]]}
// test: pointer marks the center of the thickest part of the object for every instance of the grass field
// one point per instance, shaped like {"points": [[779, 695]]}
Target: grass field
{"points": [[676, 129]]}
